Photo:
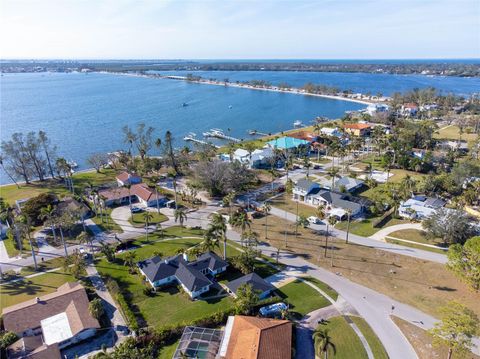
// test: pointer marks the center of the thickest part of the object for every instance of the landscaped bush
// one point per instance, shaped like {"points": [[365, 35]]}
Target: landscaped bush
{"points": [[117, 294]]}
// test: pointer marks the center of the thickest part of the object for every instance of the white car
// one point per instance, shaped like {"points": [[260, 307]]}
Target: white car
{"points": [[314, 220]]}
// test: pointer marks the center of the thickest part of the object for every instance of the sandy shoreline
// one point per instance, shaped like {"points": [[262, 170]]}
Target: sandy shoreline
{"points": [[293, 90]]}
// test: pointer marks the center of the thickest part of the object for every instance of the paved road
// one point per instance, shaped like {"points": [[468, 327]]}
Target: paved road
{"points": [[377, 244]]}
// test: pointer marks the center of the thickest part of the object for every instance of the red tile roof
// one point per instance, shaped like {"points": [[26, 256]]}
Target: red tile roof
{"points": [[124, 176], [142, 191]]}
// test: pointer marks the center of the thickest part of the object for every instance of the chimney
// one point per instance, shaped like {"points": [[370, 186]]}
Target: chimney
{"points": [[37, 299], [185, 256]]}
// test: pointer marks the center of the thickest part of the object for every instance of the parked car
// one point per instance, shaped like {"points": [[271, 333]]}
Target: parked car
{"points": [[314, 220], [137, 209]]}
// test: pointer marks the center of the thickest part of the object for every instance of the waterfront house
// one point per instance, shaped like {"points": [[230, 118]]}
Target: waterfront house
{"points": [[70, 205], [287, 143], [140, 193], [331, 131], [375, 108], [409, 109], [126, 178], [304, 135], [358, 129], [192, 276], [420, 207], [256, 338], [262, 158], [49, 323], [259, 285]]}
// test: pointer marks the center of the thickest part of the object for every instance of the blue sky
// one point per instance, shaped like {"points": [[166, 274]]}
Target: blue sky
{"points": [[247, 29]]}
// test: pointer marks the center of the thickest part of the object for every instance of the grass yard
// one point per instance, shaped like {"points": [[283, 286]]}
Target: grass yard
{"points": [[80, 180], [13, 252], [137, 219], [422, 284], [18, 292], [346, 341], [111, 225], [284, 202], [418, 236], [372, 339], [302, 298], [365, 227], [421, 341], [43, 266], [453, 133], [168, 306], [168, 350], [323, 286]]}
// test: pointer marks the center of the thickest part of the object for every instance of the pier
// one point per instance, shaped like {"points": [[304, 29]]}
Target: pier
{"points": [[255, 132], [217, 133], [191, 137]]}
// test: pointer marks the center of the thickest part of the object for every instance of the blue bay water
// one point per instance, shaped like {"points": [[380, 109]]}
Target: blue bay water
{"points": [[84, 113], [386, 84]]}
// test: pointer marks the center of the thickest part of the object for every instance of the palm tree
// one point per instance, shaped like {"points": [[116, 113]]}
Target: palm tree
{"points": [[323, 342], [220, 225], [61, 221], [210, 240], [129, 260], [129, 187], [240, 220], [173, 176], [48, 214], [250, 238], [333, 172], [26, 230], [147, 217], [266, 210], [180, 216], [349, 215], [83, 237], [331, 221]]}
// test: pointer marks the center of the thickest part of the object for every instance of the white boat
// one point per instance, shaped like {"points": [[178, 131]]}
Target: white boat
{"points": [[297, 123], [190, 136], [72, 164]]}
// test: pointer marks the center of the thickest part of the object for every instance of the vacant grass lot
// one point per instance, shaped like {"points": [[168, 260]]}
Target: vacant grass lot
{"points": [[17, 292], [346, 341], [453, 133], [372, 339], [417, 236], [422, 284], [421, 341], [13, 252], [365, 227], [301, 298]]}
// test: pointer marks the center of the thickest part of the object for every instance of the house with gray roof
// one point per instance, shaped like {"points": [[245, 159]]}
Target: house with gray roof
{"points": [[258, 284], [194, 277], [303, 188], [349, 184]]}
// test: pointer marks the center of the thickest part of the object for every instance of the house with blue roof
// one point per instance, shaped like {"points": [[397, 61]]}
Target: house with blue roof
{"points": [[287, 143]]}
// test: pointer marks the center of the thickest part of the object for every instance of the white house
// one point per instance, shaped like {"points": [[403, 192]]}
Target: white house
{"points": [[374, 108], [420, 207], [331, 131]]}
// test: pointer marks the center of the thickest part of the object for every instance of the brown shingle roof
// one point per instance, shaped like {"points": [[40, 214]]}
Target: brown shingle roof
{"points": [[32, 348], [124, 176], [260, 338], [70, 298], [114, 193], [142, 191]]}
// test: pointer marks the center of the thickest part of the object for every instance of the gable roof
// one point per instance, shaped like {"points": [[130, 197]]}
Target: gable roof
{"points": [[208, 260], [348, 182], [305, 184], [260, 338], [70, 298], [253, 279], [115, 193], [32, 348], [338, 200], [141, 190], [188, 274], [125, 176]]}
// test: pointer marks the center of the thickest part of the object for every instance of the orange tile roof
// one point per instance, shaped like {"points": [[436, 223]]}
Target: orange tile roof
{"points": [[357, 126], [123, 176], [260, 338], [142, 191]]}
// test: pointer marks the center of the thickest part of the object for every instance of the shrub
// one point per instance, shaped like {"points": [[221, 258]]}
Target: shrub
{"points": [[34, 205]]}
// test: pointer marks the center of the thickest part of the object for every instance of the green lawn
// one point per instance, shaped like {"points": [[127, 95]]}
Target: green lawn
{"points": [[111, 225], [168, 306], [323, 286], [18, 292], [168, 350], [346, 341], [12, 251], [302, 298], [43, 266], [365, 228], [80, 180], [137, 219], [453, 133], [287, 204], [372, 339]]}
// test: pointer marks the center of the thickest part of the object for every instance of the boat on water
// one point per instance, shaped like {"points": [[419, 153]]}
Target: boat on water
{"points": [[184, 104], [72, 164], [189, 136], [214, 132], [297, 124], [230, 106]]}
